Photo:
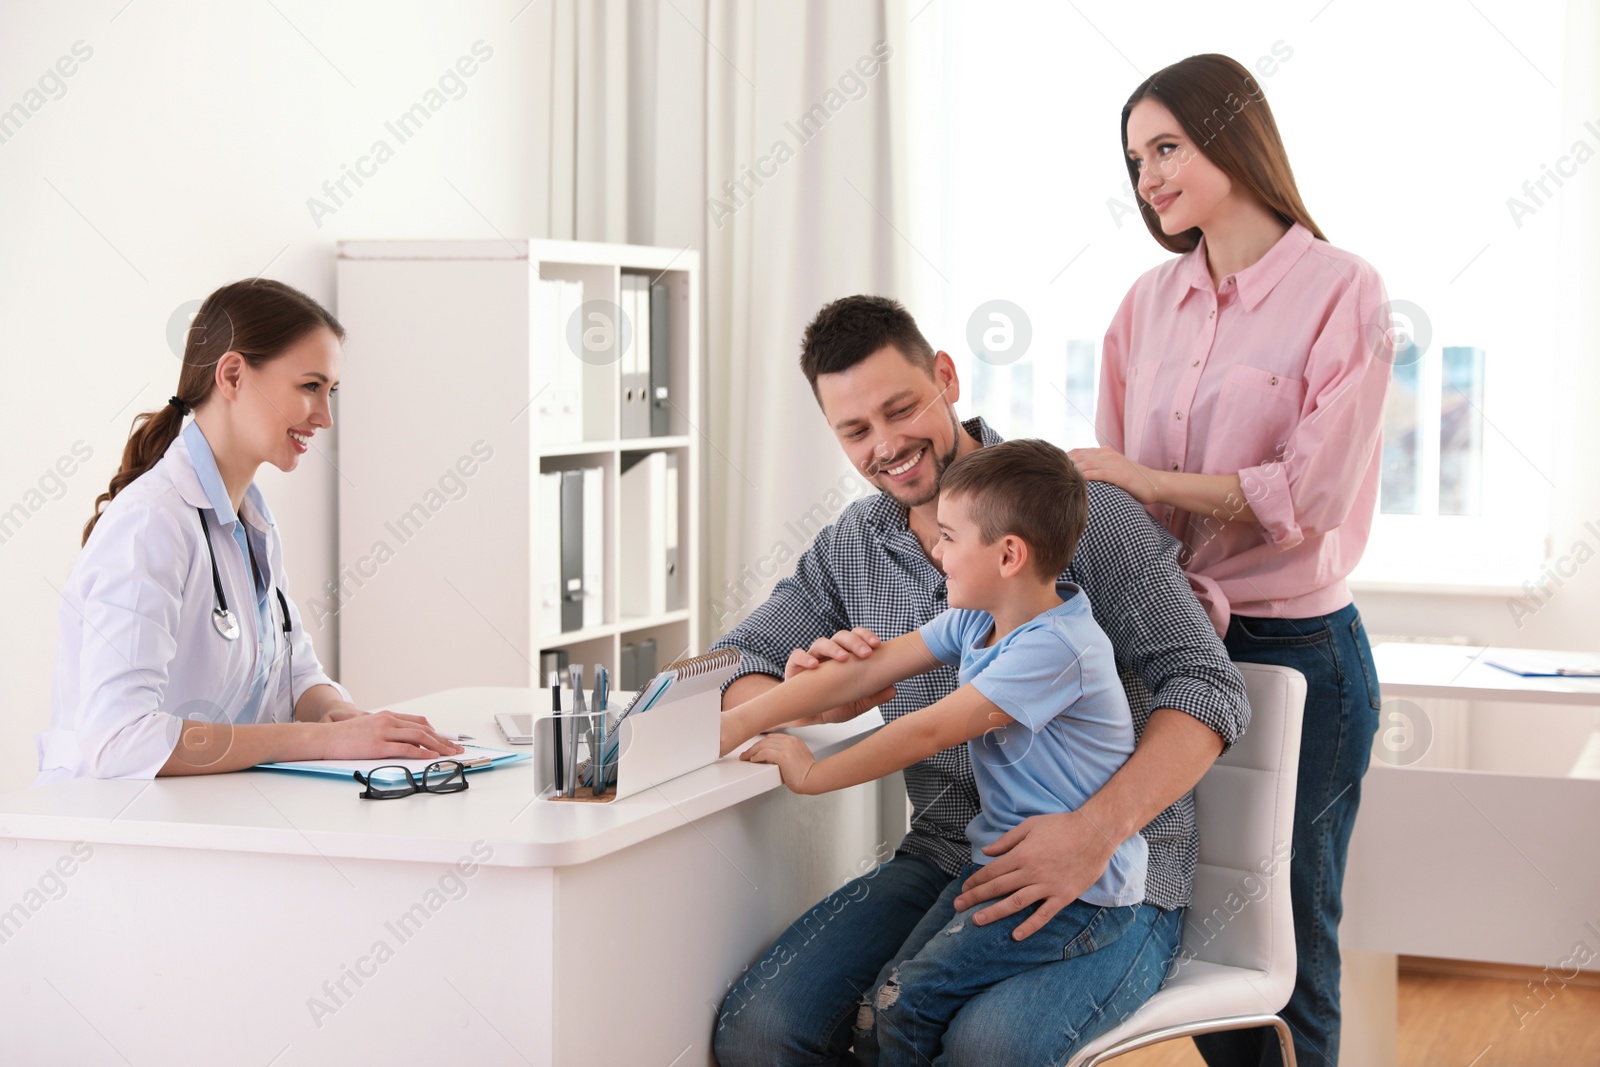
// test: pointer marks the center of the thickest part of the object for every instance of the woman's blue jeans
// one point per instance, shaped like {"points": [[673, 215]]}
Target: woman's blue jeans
{"points": [[1341, 717]]}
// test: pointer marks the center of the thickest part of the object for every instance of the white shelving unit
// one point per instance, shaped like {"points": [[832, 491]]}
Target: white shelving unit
{"points": [[439, 445]]}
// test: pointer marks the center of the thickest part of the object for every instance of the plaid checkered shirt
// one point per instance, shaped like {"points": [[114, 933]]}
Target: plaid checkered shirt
{"points": [[868, 569]]}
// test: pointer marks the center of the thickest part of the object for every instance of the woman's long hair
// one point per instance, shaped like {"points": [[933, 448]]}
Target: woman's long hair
{"points": [[258, 318], [1224, 112]]}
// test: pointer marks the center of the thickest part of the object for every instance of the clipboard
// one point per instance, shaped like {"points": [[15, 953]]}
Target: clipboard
{"points": [[1539, 663], [473, 757]]}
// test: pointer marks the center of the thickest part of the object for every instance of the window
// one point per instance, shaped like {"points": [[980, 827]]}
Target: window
{"points": [[1441, 166]]}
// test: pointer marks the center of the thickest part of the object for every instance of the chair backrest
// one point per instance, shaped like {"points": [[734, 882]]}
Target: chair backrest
{"points": [[1240, 915]]}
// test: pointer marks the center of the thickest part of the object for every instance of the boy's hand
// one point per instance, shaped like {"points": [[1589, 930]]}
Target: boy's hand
{"points": [[842, 646], [789, 753]]}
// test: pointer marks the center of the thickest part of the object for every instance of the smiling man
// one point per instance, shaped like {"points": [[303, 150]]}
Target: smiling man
{"points": [[889, 398]]}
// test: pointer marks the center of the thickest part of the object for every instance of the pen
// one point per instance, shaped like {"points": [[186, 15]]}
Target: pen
{"points": [[456, 737], [555, 721], [575, 676], [597, 736]]}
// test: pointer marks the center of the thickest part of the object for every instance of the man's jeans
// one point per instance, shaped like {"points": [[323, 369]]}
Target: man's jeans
{"points": [[1341, 716], [802, 1002]]}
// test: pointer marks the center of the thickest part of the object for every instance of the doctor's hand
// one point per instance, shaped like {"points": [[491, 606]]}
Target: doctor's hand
{"points": [[1109, 465], [842, 647], [382, 735], [341, 711]]}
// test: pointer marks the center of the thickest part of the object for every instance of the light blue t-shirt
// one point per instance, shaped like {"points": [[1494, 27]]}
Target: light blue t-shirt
{"points": [[1057, 677]]}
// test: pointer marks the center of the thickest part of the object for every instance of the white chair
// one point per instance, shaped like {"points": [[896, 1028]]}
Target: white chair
{"points": [[1236, 969]]}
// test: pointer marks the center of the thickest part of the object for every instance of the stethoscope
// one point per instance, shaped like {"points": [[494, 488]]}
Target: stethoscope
{"points": [[224, 620]]}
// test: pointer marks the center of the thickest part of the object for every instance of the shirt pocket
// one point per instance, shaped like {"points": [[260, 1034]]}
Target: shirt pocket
{"points": [[1257, 412], [1136, 409]]}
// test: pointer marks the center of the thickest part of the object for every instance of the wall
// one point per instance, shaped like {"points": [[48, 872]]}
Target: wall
{"points": [[180, 154]]}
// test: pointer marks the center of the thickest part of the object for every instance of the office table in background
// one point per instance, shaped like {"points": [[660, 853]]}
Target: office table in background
{"points": [[1464, 864], [276, 918]]}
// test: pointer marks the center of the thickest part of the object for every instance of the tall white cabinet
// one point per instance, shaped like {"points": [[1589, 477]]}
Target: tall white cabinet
{"points": [[460, 366]]}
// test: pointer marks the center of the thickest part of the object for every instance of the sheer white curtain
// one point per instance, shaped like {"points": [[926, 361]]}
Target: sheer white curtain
{"points": [[802, 189], [760, 134]]}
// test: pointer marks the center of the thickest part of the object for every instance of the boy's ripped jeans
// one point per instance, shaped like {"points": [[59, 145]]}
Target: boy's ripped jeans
{"points": [[952, 992]]}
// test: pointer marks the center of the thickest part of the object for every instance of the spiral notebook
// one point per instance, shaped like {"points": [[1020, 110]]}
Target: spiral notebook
{"points": [[683, 678]]}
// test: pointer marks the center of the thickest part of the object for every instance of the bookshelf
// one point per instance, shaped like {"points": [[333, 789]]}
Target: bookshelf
{"points": [[443, 415]]}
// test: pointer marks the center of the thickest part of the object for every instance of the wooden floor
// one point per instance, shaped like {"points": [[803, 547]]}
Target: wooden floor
{"points": [[1451, 1021]]}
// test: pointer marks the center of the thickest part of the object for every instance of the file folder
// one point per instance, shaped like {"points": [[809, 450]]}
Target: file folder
{"points": [[593, 547], [571, 550], [569, 377], [558, 377], [642, 534], [545, 301], [636, 357], [672, 572], [638, 665], [554, 659], [660, 365], [547, 529], [628, 673]]}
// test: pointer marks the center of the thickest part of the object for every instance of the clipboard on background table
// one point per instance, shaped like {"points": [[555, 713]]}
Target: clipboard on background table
{"points": [[1530, 663], [473, 757]]}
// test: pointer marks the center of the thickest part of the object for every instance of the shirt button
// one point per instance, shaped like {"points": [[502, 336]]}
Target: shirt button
{"points": [[1212, 315], [1196, 363], [1177, 414], [1274, 379], [1174, 466]]}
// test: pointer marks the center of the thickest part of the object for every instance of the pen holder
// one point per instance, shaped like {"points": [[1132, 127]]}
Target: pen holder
{"points": [[648, 748], [571, 734]]}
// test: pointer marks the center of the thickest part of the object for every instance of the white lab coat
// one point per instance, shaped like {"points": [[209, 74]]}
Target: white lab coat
{"points": [[139, 652]]}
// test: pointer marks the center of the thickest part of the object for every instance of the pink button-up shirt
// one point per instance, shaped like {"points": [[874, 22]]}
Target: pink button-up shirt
{"points": [[1277, 376]]}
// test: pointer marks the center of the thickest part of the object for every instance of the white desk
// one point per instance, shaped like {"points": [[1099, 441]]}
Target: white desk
{"points": [[1459, 672], [1465, 864], [213, 919]]}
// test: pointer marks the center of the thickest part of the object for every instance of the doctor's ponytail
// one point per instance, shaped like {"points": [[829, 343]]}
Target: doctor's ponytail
{"points": [[258, 318]]}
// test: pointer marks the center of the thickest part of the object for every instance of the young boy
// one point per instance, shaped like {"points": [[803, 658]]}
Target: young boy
{"points": [[1040, 706]]}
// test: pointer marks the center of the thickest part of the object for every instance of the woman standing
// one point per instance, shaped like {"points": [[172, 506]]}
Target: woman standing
{"points": [[180, 653], [1241, 399]]}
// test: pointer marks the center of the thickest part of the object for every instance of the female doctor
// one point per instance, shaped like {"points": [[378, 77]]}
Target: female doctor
{"points": [[180, 653]]}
